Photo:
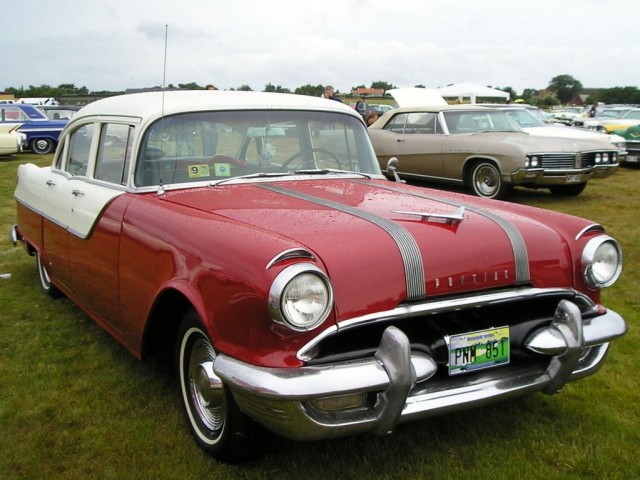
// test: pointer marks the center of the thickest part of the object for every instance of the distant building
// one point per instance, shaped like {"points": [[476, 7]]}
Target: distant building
{"points": [[368, 92]]}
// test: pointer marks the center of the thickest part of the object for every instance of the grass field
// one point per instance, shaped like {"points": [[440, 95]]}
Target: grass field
{"points": [[76, 405]]}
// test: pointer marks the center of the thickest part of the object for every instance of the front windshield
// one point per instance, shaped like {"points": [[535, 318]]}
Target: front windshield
{"points": [[217, 146], [525, 118], [477, 121]]}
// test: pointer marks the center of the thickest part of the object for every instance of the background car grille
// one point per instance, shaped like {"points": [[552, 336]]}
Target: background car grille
{"points": [[558, 160], [588, 159]]}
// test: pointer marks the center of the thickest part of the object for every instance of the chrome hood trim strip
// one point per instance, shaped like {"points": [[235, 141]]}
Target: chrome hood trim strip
{"points": [[411, 257], [520, 254]]}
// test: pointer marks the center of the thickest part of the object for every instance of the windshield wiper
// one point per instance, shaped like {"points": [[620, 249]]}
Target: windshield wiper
{"points": [[250, 175], [329, 171]]}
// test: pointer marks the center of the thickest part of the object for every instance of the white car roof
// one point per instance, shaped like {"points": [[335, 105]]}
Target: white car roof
{"points": [[156, 104]]}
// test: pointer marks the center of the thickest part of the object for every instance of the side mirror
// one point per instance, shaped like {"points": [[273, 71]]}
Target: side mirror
{"points": [[392, 166]]}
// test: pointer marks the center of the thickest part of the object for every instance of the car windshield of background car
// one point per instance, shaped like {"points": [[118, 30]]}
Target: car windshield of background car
{"points": [[470, 121], [211, 146]]}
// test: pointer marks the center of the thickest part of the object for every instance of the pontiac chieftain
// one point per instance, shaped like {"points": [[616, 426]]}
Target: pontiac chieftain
{"points": [[251, 238]]}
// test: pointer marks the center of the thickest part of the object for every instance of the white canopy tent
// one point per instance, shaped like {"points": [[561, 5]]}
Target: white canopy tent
{"points": [[471, 90], [412, 97]]}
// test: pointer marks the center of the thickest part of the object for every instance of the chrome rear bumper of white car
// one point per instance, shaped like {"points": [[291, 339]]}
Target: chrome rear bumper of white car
{"points": [[397, 385]]}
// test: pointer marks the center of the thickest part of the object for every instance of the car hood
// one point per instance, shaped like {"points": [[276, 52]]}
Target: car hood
{"points": [[383, 243]]}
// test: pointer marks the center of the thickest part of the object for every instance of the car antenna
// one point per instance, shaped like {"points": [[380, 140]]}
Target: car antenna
{"points": [[164, 80]]}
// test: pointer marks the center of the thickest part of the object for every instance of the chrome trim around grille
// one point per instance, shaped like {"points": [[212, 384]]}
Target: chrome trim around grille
{"points": [[438, 306]]}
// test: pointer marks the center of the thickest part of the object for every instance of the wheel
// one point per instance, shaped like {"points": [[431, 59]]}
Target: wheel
{"points": [[42, 146], [45, 281], [314, 162], [568, 190], [214, 419], [486, 181]]}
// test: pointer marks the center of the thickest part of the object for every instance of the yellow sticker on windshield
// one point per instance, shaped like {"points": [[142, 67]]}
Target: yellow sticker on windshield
{"points": [[221, 170], [197, 171]]}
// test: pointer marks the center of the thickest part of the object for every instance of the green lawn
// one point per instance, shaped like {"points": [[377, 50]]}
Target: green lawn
{"points": [[76, 405]]}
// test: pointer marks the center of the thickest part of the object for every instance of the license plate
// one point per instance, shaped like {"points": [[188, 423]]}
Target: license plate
{"points": [[632, 158], [574, 178], [473, 351]]}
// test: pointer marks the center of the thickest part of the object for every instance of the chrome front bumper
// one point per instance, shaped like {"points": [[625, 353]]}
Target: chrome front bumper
{"points": [[541, 177], [397, 380]]}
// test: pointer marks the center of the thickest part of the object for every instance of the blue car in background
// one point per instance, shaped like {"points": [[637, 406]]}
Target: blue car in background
{"points": [[42, 133]]}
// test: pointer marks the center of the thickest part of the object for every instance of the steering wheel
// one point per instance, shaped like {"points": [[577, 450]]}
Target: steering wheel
{"points": [[313, 162]]}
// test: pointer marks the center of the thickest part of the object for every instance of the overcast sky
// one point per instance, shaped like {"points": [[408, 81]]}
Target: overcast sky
{"points": [[120, 44]]}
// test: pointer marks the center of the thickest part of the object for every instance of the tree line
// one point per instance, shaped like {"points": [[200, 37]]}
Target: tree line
{"points": [[562, 89]]}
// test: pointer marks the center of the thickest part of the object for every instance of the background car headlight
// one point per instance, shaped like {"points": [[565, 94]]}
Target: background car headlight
{"points": [[601, 261], [532, 161], [301, 297]]}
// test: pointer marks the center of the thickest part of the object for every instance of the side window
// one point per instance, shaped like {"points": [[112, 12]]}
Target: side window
{"points": [[79, 149], [13, 114], [396, 124], [113, 153], [421, 122]]}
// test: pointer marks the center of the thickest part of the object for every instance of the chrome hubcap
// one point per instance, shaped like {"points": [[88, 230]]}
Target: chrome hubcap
{"points": [[205, 386], [486, 181]]}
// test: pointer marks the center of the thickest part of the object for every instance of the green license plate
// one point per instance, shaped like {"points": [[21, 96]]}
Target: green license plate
{"points": [[473, 351]]}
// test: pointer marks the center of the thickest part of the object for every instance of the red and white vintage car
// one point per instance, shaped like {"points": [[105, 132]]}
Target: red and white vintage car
{"points": [[251, 238]]}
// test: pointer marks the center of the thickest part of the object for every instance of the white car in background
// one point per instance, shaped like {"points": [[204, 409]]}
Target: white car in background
{"points": [[566, 114], [532, 121], [11, 140], [610, 113]]}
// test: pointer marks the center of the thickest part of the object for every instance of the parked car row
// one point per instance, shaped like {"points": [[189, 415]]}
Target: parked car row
{"points": [[41, 132], [252, 239]]}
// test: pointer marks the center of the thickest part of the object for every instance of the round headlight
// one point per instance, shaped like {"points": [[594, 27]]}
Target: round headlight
{"points": [[598, 157], [535, 161], [301, 297], [605, 157], [601, 261]]}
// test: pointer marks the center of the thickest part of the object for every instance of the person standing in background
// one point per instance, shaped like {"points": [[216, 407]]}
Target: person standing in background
{"points": [[329, 94]]}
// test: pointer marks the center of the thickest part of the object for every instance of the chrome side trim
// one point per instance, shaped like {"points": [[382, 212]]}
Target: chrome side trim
{"points": [[411, 257], [521, 256]]}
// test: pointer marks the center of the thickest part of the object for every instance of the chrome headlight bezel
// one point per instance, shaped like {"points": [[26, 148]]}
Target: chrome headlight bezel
{"points": [[303, 280], [601, 261]]}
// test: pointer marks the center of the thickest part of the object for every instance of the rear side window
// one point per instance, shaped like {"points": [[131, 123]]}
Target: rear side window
{"points": [[79, 150], [114, 153], [414, 122]]}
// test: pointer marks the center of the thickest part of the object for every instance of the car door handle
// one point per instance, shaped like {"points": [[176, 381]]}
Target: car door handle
{"points": [[400, 140], [50, 183], [77, 192]]}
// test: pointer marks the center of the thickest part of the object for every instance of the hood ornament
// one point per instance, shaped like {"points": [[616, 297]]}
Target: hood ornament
{"points": [[454, 217]]}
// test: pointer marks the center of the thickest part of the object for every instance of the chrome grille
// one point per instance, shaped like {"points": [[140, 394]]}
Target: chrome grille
{"points": [[588, 159], [558, 160]]}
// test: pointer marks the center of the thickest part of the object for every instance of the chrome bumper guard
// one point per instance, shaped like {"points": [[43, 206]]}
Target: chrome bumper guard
{"points": [[284, 400]]}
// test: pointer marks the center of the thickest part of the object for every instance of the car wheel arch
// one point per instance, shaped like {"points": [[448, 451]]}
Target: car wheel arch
{"points": [[163, 321]]}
